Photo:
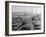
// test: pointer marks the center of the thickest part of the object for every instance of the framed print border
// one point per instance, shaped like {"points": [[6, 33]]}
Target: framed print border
{"points": [[7, 17]]}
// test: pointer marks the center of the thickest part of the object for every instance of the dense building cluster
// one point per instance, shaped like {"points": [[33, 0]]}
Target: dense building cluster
{"points": [[30, 22]]}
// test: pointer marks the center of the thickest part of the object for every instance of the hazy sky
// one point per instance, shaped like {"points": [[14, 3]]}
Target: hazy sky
{"points": [[33, 9]]}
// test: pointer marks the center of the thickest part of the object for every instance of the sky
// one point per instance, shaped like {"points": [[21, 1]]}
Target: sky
{"points": [[30, 9]]}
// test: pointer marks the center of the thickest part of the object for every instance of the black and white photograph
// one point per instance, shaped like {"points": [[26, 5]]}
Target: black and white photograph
{"points": [[25, 18]]}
